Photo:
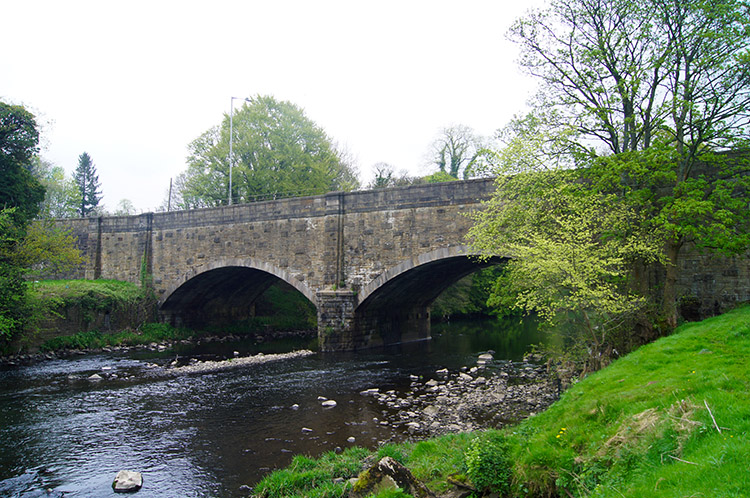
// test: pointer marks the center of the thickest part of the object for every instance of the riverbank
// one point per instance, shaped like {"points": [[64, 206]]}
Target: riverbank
{"points": [[90, 315], [670, 419]]}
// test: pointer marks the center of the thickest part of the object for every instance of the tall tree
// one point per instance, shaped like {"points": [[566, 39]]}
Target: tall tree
{"points": [[20, 196], [649, 92], [88, 185], [278, 151]]}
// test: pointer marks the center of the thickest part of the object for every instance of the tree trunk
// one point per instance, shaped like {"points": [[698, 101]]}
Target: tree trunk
{"points": [[669, 302]]}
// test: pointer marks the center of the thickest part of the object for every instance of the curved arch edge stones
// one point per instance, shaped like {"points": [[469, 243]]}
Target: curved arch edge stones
{"points": [[234, 281], [395, 306]]}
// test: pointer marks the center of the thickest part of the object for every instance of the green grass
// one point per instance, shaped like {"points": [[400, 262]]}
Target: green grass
{"points": [[94, 339], [93, 294], [641, 427], [630, 429]]}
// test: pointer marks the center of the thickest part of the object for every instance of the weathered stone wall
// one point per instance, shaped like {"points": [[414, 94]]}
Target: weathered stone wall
{"points": [[339, 249], [711, 284]]}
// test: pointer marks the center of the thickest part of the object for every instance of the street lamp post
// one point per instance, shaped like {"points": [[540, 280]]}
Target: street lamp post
{"points": [[231, 137]]}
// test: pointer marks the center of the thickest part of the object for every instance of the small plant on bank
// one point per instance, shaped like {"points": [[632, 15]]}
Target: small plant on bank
{"points": [[488, 462]]}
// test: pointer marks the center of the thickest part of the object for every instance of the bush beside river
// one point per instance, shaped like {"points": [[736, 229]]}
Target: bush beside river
{"points": [[670, 419]]}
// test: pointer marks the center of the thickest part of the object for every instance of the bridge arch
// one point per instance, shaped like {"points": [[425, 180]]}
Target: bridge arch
{"points": [[224, 289], [395, 306]]}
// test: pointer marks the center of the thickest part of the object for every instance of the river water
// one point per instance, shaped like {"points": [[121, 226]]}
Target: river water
{"points": [[211, 434]]}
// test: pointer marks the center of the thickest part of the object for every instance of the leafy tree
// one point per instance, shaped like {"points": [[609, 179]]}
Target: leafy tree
{"points": [[20, 196], [62, 198], [18, 144], [278, 152], [125, 208], [47, 250], [571, 247], [455, 150], [88, 185], [645, 95]]}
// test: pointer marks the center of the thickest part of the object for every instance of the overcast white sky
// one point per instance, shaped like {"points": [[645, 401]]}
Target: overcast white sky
{"points": [[132, 83]]}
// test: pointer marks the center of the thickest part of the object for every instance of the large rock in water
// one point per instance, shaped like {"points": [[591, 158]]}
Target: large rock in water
{"points": [[127, 481], [388, 474]]}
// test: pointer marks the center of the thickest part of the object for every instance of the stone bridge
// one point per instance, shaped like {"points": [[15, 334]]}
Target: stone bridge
{"points": [[371, 262]]}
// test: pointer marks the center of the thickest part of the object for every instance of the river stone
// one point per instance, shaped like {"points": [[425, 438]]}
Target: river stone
{"points": [[329, 403], [431, 410], [127, 481], [388, 474]]}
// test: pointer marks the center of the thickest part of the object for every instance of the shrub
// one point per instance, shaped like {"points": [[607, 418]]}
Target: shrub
{"points": [[488, 463]]}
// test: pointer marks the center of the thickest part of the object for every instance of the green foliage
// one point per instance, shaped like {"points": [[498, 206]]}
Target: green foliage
{"points": [[469, 296], [48, 249], [488, 462], [12, 286], [278, 152], [62, 197], [571, 249], [52, 297], [657, 88], [20, 196], [87, 181], [280, 307], [439, 177]]}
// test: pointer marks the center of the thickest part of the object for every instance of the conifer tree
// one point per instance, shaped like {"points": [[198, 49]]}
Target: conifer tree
{"points": [[88, 184]]}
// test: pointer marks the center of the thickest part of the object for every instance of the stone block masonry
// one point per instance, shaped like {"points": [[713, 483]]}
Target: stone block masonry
{"points": [[370, 261]]}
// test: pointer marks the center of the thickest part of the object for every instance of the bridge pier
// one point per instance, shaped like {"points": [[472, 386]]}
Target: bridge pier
{"points": [[342, 328], [336, 320]]}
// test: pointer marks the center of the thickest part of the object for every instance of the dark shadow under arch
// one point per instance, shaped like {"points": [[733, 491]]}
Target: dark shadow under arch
{"points": [[397, 309], [218, 296]]}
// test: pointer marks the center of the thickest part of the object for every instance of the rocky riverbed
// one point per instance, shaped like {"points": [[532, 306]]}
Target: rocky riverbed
{"points": [[488, 395]]}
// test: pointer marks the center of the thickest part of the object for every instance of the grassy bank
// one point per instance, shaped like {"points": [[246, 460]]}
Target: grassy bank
{"points": [[671, 419]]}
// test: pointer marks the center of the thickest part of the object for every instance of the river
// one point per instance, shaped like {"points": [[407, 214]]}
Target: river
{"points": [[211, 434]]}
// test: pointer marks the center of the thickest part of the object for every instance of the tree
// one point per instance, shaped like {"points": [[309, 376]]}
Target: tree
{"points": [[88, 185], [20, 196], [278, 152], [648, 93], [455, 150], [18, 144], [125, 208], [571, 247], [62, 198]]}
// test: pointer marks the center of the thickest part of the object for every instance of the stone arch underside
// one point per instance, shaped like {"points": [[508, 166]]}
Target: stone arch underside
{"points": [[395, 306], [223, 293]]}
